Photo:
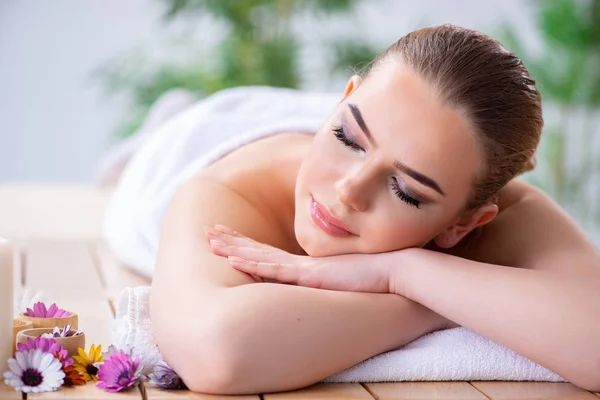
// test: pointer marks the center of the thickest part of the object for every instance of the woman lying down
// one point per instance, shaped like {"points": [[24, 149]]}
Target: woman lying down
{"points": [[299, 254]]}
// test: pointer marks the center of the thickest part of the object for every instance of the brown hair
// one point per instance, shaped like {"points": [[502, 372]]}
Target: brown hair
{"points": [[476, 75]]}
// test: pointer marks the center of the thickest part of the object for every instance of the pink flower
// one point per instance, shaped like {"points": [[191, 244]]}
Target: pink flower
{"points": [[40, 311], [47, 346], [119, 372]]}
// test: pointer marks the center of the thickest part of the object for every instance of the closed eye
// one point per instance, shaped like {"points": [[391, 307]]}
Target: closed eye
{"points": [[411, 201], [339, 133]]}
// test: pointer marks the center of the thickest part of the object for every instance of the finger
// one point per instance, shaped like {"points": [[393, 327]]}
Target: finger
{"points": [[243, 241], [259, 254], [285, 273], [225, 229], [236, 240]]}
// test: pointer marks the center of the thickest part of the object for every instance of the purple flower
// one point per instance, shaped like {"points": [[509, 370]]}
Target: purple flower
{"points": [[40, 311], [144, 368], [165, 377], [47, 346], [119, 371], [66, 332]]}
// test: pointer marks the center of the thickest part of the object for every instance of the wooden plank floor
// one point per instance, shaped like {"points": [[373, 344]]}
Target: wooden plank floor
{"points": [[75, 269]]}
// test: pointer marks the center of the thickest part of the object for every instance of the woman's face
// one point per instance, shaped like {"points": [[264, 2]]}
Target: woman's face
{"points": [[391, 169]]}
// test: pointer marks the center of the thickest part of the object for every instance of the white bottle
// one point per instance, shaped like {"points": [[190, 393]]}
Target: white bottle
{"points": [[6, 302]]}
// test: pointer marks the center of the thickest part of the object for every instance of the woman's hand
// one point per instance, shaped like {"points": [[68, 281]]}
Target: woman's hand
{"points": [[373, 273]]}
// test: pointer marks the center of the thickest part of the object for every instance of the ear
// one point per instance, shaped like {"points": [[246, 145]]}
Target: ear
{"points": [[454, 234], [351, 86]]}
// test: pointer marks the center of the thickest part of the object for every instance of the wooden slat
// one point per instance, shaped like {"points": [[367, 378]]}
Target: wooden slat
{"points": [[86, 392], [532, 390], [324, 391], [52, 211], [115, 276], [67, 275], [424, 390], [62, 266], [155, 393], [7, 392]]}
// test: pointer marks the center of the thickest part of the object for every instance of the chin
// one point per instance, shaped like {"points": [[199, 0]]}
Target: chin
{"points": [[315, 244]]}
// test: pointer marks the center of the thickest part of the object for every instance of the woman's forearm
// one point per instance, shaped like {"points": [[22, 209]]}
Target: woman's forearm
{"points": [[283, 337], [551, 318]]}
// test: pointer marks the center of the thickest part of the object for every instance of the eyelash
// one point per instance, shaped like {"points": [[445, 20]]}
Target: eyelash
{"points": [[338, 132]]}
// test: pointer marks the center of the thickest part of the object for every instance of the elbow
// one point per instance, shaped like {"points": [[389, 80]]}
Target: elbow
{"points": [[591, 383], [214, 381], [590, 380], [587, 376], [206, 362], [206, 369], [217, 378], [200, 354]]}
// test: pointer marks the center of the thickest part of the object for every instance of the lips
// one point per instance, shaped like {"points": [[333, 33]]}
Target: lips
{"points": [[322, 217]]}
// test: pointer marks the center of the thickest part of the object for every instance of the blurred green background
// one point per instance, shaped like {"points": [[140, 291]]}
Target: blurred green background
{"points": [[260, 47]]}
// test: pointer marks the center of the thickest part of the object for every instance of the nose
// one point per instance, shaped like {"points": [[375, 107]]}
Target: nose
{"points": [[353, 189]]}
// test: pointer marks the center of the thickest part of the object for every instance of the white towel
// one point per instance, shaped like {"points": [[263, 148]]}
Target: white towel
{"points": [[453, 354]]}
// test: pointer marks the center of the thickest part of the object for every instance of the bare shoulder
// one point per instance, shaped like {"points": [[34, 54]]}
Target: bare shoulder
{"points": [[532, 231], [184, 250], [232, 192], [251, 190]]}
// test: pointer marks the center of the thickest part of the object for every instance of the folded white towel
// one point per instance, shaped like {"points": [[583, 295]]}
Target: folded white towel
{"points": [[453, 354]]}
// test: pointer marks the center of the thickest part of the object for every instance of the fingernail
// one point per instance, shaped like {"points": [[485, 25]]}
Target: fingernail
{"points": [[211, 230], [215, 242]]}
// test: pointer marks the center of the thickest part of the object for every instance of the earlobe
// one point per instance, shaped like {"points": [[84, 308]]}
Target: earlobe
{"points": [[351, 86], [455, 233]]}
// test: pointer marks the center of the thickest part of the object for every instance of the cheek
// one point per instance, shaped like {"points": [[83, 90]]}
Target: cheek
{"points": [[390, 230], [317, 162]]}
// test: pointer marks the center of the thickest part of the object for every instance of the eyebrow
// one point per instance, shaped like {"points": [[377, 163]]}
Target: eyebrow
{"points": [[419, 177]]}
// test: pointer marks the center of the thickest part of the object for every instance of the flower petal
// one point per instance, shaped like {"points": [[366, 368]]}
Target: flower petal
{"points": [[44, 362], [40, 309], [21, 358], [83, 355], [52, 311], [14, 366]]}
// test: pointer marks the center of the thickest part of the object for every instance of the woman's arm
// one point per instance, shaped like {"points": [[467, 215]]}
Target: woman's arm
{"points": [[552, 318], [547, 309], [283, 337], [224, 334]]}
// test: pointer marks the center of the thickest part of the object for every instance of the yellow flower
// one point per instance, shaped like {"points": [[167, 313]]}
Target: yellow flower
{"points": [[85, 364]]}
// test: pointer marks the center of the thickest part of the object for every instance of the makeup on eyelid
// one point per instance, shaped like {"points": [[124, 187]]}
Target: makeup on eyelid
{"points": [[398, 184]]}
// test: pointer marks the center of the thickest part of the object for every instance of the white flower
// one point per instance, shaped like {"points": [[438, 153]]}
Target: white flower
{"points": [[34, 371]]}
